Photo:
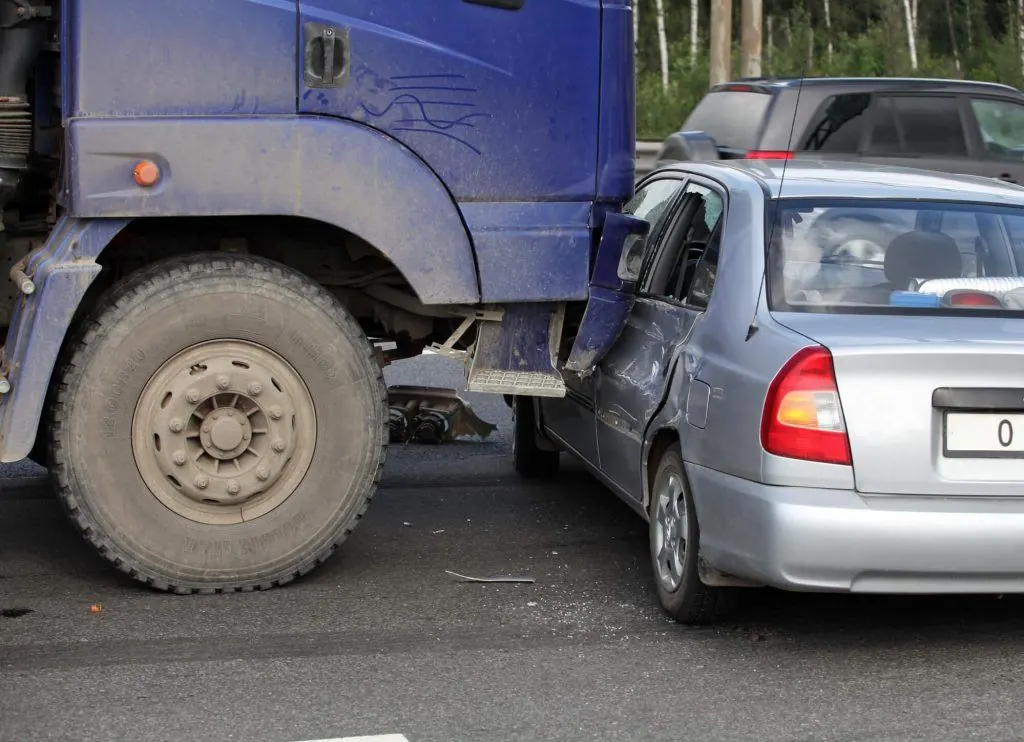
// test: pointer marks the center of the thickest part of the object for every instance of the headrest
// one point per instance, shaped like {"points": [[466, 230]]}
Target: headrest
{"points": [[922, 255]]}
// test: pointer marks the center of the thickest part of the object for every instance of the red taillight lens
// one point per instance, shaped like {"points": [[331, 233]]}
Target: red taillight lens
{"points": [[971, 299], [768, 154], [802, 417]]}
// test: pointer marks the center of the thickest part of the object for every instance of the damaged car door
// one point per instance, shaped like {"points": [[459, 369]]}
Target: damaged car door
{"points": [[672, 296], [625, 245]]}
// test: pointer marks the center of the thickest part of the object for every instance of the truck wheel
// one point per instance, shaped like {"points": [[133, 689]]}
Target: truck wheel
{"points": [[675, 547], [528, 458], [219, 424]]}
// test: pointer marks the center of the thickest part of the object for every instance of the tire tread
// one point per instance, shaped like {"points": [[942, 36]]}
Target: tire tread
{"points": [[116, 304]]}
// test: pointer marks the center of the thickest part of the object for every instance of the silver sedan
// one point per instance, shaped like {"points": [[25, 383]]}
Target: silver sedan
{"points": [[806, 376]]}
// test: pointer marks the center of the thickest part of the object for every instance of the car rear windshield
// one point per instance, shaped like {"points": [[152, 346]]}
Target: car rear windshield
{"points": [[732, 118], [872, 257]]}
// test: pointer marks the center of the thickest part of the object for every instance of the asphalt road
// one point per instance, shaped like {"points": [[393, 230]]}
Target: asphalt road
{"points": [[380, 640]]}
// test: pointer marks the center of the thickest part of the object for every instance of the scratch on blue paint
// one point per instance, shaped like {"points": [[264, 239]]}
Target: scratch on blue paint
{"points": [[400, 105]]}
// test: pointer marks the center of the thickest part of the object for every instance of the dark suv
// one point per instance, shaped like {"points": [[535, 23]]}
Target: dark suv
{"points": [[951, 126]]}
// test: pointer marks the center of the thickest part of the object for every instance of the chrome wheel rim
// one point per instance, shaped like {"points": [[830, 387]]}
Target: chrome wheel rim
{"points": [[668, 542], [224, 432]]}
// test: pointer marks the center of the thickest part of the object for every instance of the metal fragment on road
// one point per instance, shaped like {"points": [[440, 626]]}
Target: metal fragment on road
{"points": [[465, 578]]}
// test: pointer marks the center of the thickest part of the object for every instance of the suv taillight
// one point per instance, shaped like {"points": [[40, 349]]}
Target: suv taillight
{"points": [[802, 416], [769, 154]]}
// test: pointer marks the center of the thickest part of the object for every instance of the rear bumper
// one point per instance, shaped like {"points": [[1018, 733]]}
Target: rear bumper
{"points": [[800, 538]]}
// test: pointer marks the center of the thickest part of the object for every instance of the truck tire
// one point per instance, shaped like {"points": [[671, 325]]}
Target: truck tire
{"points": [[219, 424], [528, 458]]}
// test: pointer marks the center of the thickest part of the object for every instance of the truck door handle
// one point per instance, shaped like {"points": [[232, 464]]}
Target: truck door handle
{"points": [[503, 4], [326, 63]]}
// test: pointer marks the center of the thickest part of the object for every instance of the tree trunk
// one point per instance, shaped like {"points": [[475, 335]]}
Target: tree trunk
{"points": [[1020, 32], [952, 34], [636, 27], [694, 28], [970, 29], [721, 41], [908, 11], [828, 29], [770, 46], [750, 42], [809, 65], [659, 9]]}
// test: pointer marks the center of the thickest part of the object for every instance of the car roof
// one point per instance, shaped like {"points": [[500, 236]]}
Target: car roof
{"points": [[767, 84], [811, 179]]}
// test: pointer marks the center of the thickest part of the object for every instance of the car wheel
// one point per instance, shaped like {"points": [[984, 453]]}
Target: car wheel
{"points": [[529, 459], [675, 547]]}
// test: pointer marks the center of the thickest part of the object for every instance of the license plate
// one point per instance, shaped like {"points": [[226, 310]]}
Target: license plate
{"points": [[984, 435]]}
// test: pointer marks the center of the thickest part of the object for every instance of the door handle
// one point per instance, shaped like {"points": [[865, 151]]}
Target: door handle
{"points": [[503, 4], [327, 58]]}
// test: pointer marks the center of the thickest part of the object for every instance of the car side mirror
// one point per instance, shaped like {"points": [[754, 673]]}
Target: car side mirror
{"points": [[632, 258], [620, 253]]}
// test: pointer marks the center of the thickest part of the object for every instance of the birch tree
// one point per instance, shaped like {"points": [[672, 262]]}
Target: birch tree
{"points": [[910, 11], [636, 27], [828, 29], [1020, 32], [694, 28], [659, 9]]}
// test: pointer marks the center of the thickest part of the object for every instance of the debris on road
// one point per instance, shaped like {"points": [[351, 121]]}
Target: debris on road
{"points": [[432, 415], [95, 608], [464, 578]]}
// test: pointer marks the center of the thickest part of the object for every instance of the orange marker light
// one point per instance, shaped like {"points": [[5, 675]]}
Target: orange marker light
{"points": [[146, 173]]}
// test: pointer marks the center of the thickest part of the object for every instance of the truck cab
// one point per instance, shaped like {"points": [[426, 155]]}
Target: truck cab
{"points": [[209, 208]]}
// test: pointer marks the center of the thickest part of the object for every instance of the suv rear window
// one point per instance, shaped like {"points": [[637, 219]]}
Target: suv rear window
{"points": [[732, 117], [874, 257]]}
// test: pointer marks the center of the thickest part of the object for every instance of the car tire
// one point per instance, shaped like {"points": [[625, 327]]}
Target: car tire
{"points": [[675, 549], [529, 459], [219, 424]]}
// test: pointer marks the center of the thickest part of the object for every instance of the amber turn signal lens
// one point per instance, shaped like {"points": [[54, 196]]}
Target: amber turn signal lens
{"points": [[146, 173]]}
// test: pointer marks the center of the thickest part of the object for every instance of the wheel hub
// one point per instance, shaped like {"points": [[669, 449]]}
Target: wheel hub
{"points": [[220, 425], [670, 532]]}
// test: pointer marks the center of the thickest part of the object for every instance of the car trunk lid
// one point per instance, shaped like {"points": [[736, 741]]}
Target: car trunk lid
{"points": [[927, 411]]}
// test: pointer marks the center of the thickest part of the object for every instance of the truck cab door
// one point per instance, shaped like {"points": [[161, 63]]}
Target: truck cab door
{"points": [[501, 98]]}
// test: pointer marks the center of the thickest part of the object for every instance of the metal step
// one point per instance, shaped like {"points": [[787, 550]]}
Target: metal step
{"points": [[526, 383]]}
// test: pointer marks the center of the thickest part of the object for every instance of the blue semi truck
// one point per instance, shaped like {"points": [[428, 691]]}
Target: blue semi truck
{"points": [[209, 206]]}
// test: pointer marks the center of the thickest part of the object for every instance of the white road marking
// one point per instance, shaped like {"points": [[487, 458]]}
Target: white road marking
{"points": [[371, 738]]}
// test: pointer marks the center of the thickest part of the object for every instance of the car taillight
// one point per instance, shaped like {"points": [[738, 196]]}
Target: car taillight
{"points": [[769, 154], [802, 416], [971, 299]]}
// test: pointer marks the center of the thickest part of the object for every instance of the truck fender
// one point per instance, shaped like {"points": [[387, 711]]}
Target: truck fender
{"points": [[332, 170], [62, 271]]}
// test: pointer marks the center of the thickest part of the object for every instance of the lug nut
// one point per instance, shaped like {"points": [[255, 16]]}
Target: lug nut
{"points": [[255, 389], [179, 458], [201, 482], [233, 487], [193, 396], [206, 428], [5, 386], [246, 435], [276, 413], [176, 425], [223, 382], [278, 445], [263, 474]]}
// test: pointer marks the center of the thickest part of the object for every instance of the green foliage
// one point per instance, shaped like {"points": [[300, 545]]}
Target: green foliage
{"points": [[869, 38]]}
